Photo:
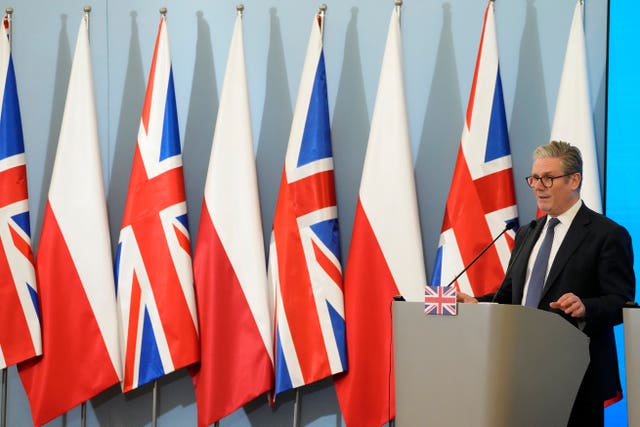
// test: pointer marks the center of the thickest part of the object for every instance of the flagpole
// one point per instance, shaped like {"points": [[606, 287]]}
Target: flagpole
{"points": [[4, 398], [154, 398], [398, 7], [297, 407], [9, 12], [3, 420], [154, 405], [240, 11], [83, 405]]}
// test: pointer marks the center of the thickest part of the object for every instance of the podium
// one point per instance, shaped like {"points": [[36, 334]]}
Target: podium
{"points": [[491, 365], [631, 319]]}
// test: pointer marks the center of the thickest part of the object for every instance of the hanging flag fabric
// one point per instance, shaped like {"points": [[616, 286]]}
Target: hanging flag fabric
{"points": [[482, 196], [19, 307], [573, 119], [74, 265], [236, 362], [154, 279], [385, 258], [304, 257]]}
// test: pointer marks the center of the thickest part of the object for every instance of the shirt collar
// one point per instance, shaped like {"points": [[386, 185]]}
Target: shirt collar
{"points": [[567, 216]]}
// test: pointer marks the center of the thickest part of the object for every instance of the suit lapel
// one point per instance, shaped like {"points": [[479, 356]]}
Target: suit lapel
{"points": [[575, 235], [519, 274]]}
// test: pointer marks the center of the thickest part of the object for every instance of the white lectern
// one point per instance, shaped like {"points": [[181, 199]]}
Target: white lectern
{"points": [[491, 365]]}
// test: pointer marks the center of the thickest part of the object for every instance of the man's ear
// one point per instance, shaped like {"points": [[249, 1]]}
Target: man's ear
{"points": [[575, 180]]}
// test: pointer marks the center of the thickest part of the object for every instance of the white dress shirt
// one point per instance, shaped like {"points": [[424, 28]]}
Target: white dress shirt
{"points": [[559, 234]]}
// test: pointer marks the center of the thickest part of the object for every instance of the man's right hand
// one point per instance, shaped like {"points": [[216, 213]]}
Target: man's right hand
{"points": [[464, 298]]}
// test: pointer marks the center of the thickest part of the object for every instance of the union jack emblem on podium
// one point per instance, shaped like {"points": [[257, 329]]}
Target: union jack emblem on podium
{"points": [[440, 300]]}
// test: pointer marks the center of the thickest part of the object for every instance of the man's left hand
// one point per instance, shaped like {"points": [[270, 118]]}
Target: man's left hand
{"points": [[570, 304]]}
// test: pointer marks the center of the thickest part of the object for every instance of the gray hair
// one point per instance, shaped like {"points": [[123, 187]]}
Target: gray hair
{"points": [[568, 154]]}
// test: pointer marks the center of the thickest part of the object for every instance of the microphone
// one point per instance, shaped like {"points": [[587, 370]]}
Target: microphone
{"points": [[514, 257], [508, 226]]}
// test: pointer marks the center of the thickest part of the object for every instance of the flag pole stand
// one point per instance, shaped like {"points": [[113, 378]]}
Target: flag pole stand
{"points": [[154, 398], [296, 409], [154, 405], [83, 406], [83, 414], [3, 423]]}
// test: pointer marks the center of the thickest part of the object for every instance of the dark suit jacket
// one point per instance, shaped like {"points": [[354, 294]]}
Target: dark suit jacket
{"points": [[595, 262]]}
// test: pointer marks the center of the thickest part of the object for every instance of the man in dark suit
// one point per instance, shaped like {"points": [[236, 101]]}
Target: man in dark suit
{"points": [[585, 275]]}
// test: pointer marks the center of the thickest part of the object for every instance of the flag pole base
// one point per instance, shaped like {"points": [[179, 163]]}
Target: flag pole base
{"points": [[296, 408], [154, 405], [3, 421], [83, 414]]}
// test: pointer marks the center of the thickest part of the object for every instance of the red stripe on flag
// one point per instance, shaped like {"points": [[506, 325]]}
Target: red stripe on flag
{"points": [[173, 307], [148, 97], [149, 196], [313, 192], [13, 185], [235, 366], [132, 334], [75, 365], [22, 245], [295, 284], [15, 338], [328, 266], [183, 240], [496, 190], [146, 198], [366, 392], [473, 233], [472, 95], [510, 240], [616, 398]]}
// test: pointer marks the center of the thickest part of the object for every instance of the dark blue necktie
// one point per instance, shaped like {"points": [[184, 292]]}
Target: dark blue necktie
{"points": [[539, 271]]}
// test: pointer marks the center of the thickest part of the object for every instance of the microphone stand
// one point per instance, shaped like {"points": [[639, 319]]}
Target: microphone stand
{"points": [[507, 227], [514, 257]]}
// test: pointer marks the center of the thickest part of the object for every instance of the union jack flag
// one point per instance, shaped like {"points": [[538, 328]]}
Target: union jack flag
{"points": [[19, 309], [482, 197], [154, 279], [304, 257], [440, 300]]}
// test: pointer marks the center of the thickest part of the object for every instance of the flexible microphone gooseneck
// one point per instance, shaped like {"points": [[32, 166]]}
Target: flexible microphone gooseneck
{"points": [[507, 227], [514, 257]]}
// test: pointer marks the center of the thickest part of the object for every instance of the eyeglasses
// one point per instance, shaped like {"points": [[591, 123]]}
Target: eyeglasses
{"points": [[547, 181]]}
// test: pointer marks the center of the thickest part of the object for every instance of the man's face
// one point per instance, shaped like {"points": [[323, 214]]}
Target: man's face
{"points": [[564, 191]]}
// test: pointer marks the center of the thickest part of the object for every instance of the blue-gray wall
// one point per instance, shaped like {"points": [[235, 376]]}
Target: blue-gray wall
{"points": [[440, 46]]}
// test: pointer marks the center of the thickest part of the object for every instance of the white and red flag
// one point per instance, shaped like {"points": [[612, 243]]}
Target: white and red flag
{"points": [[304, 257], [482, 198], [19, 307], [573, 119], [236, 361], [154, 279], [386, 257], [81, 354]]}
